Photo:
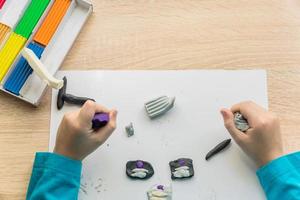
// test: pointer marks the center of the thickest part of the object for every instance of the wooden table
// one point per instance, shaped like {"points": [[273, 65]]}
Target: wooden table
{"points": [[168, 34]]}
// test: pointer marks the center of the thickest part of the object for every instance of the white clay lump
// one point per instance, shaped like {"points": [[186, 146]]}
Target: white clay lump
{"points": [[160, 192]]}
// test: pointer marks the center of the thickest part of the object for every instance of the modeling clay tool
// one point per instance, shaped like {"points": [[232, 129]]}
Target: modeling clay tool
{"points": [[63, 97], [217, 149], [40, 69], [159, 106]]}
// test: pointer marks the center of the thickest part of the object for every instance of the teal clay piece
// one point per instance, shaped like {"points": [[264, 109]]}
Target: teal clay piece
{"points": [[159, 106]]}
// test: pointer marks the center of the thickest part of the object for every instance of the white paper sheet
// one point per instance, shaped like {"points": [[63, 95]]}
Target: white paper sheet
{"points": [[190, 129]]}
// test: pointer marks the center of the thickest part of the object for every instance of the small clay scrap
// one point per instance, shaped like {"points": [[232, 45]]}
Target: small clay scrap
{"points": [[182, 168], [139, 169], [159, 106], [129, 130], [240, 122], [217, 149], [159, 192]]}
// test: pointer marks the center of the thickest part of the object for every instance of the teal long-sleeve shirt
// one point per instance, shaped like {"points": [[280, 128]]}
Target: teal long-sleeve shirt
{"points": [[57, 177]]}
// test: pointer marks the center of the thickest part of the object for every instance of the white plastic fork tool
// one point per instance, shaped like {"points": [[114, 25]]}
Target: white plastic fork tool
{"points": [[40, 69]]}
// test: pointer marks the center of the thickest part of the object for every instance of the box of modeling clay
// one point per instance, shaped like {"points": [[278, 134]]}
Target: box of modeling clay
{"points": [[48, 28]]}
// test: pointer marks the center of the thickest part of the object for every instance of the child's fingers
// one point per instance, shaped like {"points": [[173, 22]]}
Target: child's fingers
{"points": [[250, 111], [103, 133], [87, 112], [237, 135], [101, 109]]}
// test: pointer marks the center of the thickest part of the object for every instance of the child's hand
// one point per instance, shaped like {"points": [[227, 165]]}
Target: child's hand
{"points": [[76, 138], [262, 141]]}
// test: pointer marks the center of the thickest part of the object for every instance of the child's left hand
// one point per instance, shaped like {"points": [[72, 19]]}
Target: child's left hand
{"points": [[76, 138]]}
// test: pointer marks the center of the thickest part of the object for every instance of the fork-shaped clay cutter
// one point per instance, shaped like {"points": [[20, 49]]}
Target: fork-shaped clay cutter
{"points": [[159, 106]]}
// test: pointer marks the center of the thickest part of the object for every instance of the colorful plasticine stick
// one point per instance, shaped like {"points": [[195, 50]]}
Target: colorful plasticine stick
{"points": [[9, 52], [51, 22], [22, 70]]}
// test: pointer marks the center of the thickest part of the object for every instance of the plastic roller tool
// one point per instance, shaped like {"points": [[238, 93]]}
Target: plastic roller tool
{"points": [[100, 120], [159, 106], [63, 97]]}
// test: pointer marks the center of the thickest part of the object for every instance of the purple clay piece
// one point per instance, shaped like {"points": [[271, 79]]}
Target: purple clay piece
{"points": [[181, 162], [160, 187], [100, 120], [139, 164]]}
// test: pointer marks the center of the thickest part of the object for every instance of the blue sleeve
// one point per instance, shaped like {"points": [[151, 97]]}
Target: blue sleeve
{"points": [[280, 178], [54, 177]]}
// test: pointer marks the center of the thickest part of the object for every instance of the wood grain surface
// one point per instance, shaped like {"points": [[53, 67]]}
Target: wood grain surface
{"points": [[168, 34]]}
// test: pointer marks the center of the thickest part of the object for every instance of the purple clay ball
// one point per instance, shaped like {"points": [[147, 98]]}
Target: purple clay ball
{"points": [[160, 187], [181, 162], [139, 164]]}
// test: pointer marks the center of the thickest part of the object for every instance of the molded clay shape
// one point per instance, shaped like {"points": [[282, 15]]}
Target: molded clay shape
{"points": [[240, 122], [217, 149], [129, 130], [182, 168], [139, 169], [159, 106], [159, 192]]}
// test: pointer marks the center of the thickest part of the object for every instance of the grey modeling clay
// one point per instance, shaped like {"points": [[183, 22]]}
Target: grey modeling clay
{"points": [[182, 168], [139, 169], [159, 106], [160, 192], [129, 130], [240, 122]]}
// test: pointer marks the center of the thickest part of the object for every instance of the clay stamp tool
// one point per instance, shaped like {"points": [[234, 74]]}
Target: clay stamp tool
{"points": [[217, 149], [240, 122], [100, 120], [63, 97], [159, 106]]}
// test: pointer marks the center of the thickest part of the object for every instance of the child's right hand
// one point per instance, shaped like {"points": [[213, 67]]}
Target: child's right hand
{"points": [[262, 141], [76, 138]]}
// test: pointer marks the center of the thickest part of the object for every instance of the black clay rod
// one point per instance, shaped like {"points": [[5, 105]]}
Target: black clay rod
{"points": [[217, 149]]}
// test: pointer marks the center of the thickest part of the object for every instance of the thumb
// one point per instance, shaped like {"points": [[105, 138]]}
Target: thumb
{"points": [[236, 134]]}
